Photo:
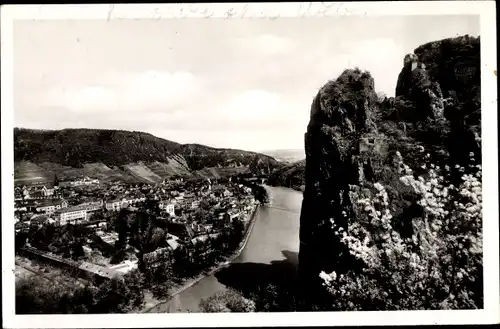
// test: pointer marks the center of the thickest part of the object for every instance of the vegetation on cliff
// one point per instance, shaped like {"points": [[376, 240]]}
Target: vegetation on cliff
{"points": [[392, 205], [430, 261]]}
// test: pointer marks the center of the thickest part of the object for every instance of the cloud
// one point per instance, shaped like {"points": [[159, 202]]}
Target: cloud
{"points": [[277, 138], [253, 105], [147, 91], [382, 57]]}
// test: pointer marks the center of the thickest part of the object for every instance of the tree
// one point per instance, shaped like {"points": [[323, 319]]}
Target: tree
{"points": [[152, 207], [158, 237], [118, 257], [34, 295], [122, 229], [82, 300], [20, 240], [200, 215], [77, 249], [238, 232], [135, 283], [113, 296], [227, 301], [205, 205], [160, 278]]}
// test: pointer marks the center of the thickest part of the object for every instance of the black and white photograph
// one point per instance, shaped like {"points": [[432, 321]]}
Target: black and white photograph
{"points": [[325, 162]]}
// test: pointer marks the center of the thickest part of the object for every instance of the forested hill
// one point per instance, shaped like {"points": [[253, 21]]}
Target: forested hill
{"points": [[74, 147], [125, 154]]}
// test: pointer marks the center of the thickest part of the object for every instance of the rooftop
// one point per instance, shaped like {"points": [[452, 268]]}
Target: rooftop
{"points": [[72, 209], [47, 203], [173, 244]]}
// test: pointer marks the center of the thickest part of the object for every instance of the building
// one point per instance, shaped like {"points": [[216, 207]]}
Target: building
{"points": [[36, 192], [47, 192], [168, 206], [170, 209], [117, 204], [51, 206], [71, 215], [109, 238], [85, 181], [93, 205], [18, 206], [113, 205], [202, 245]]}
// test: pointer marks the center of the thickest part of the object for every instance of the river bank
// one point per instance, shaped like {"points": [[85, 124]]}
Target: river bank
{"points": [[148, 308]]}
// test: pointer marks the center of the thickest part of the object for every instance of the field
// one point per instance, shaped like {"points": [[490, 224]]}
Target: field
{"points": [[26, 172]]}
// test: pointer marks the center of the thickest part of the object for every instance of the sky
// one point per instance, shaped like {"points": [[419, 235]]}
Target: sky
{"points": [[233, 83]]}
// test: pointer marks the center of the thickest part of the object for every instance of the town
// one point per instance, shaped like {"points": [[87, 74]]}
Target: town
{"points": [[104, 230]]}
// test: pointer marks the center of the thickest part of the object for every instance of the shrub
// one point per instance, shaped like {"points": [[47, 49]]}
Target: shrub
{"points": [[120, 295], [227, 301]]}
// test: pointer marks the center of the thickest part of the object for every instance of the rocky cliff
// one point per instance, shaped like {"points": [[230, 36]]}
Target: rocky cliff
{"points": [[353, 136], [440, 81], [341, 117]]}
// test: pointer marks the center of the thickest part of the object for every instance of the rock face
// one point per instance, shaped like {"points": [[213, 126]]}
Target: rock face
{"points": [[351, 135], [340, 116], [442, 80]]}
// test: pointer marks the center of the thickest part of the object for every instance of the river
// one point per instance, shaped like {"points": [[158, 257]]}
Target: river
{"points": [[272, 246]]}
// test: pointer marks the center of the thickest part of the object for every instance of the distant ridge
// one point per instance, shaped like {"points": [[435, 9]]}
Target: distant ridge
{"points": [[286, 155]]}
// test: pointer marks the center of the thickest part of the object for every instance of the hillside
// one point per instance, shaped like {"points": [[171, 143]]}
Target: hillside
{"points": [[291, 175], [392, 201], [124, 155], [288, 156]]}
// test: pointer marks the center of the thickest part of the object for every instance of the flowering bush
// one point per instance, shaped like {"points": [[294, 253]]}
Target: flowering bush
{"points": [[227, 301], [437, 266]]}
